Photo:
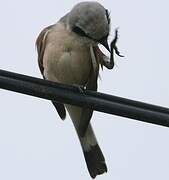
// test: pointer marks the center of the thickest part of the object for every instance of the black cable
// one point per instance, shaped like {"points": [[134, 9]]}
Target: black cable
{"points": [[72, 95]]}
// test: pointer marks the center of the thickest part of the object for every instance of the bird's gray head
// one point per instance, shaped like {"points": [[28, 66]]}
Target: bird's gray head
{"points": [[90, 19]]}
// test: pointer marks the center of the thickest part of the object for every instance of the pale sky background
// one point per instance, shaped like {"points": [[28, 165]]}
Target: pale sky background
{"points": [[36, 145]]}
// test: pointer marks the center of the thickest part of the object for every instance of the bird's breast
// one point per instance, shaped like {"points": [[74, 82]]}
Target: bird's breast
{"points": [[68, 63], [67, 57], [73, 67]]}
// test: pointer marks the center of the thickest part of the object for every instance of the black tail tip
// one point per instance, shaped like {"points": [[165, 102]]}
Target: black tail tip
{"points": [[95, 161], [100, 170]]}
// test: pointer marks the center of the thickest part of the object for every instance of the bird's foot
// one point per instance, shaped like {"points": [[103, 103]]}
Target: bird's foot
{"points": [[113, 44], [80, 88]]}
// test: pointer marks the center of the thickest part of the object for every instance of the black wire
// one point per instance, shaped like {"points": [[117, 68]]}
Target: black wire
{"points": [[71, 95]]}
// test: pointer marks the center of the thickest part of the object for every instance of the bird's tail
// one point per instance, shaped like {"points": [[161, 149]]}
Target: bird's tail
{"points": [[93, 155]]}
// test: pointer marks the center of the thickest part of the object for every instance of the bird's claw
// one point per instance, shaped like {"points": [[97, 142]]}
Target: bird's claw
{"points": [[113, 44], [80, 88]]}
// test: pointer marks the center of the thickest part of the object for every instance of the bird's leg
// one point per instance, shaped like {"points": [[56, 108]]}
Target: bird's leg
{"points": [[113, 47]]}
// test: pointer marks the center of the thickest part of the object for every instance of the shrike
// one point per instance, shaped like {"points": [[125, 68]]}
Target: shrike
{"points": [[68, 53]]}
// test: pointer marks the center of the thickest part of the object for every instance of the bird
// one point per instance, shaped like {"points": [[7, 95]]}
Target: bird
{"points": [[69, 53]]}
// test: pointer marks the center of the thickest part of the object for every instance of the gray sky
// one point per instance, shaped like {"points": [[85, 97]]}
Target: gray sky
{"points": [[36, 144]]}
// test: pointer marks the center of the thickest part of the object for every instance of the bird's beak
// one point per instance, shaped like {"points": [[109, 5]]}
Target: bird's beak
{"points": [[105, 43]]}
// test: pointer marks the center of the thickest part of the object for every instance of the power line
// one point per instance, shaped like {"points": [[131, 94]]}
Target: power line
{"points": [[73, 95]]}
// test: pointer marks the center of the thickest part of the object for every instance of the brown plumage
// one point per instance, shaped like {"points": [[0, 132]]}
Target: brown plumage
{"points": [[68, 53], [40, 43]]}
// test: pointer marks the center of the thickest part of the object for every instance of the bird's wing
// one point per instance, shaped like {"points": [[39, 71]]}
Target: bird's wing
{"points": [[40, 44]]}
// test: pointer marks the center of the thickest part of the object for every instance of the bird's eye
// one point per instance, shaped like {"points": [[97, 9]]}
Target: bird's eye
{"points": [[79, 31], [108, 16]]}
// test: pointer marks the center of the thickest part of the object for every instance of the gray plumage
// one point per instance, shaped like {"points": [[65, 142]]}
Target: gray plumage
{"points": [[91, 18]]}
